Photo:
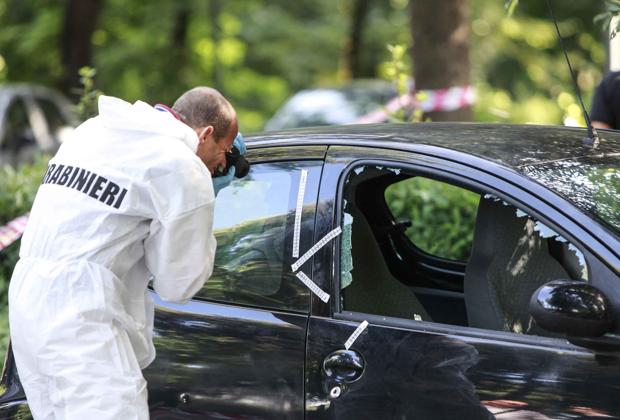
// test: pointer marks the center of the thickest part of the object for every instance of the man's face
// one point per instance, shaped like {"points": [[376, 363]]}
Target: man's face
{"points": [[212, 152]]}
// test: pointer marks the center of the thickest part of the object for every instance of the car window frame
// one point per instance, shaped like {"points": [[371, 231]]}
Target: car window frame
{"points": [[513, 191]]}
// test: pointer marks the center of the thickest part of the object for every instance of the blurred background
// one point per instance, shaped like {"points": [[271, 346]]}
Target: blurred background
{"points": [[282, 64], [259, 53]]}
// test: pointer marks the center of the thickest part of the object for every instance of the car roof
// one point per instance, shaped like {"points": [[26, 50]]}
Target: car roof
{"points": [[10, 91], [13, 89], [507, 144]]}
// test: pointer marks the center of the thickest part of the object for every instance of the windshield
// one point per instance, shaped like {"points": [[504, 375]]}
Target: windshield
{"points": [[591, 183]]}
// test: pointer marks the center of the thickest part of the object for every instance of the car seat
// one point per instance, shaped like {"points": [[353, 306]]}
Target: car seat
{"points": [[508, 262], [374, 289]]}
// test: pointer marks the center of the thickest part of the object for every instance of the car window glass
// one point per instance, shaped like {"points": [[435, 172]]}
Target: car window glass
{"points": [[253, 229], [591, 183], [384, 272]]}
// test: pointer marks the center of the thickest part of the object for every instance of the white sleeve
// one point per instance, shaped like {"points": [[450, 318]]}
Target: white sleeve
{"points": [[180, 253]]}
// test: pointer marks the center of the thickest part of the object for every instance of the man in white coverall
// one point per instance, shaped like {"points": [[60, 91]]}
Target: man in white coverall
{"points": [[128, 196]]}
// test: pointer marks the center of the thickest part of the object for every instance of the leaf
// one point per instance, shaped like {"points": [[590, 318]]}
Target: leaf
{"points": [[613, 6], [602, 19], [510, 6]]}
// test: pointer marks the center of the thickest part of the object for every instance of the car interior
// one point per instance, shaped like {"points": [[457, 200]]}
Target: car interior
{"points": [[511, 255]]}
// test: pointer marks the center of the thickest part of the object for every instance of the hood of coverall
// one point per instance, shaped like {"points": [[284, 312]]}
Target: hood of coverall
{"points": [[116, 114]]}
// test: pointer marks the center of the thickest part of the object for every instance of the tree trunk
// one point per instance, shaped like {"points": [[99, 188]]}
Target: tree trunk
{"points": [[353, 46], [179, 30], [80, 22], [440, 32], [179, 52]]}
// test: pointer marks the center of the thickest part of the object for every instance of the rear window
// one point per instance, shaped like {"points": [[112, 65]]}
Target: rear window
{"points": [[592, 184]]}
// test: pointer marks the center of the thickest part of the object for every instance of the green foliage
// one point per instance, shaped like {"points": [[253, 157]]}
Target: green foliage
{"points": [[28, 31], [442, 216], [257, 53], [607, 17], [398, 70], [87, 105], [518, 67], [17, 191], [510, 6]]}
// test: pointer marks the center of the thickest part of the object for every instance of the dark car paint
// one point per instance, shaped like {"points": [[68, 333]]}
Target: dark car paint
{"points": [[220, 360], [416, 370], [449, 371], [505, 144]]}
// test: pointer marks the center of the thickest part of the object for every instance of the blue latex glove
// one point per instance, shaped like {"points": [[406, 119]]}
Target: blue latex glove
{"points": [[239, 143], [223, 181]]}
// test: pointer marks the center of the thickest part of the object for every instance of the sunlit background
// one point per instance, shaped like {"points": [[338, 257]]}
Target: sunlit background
{"points": [[258, 53]]}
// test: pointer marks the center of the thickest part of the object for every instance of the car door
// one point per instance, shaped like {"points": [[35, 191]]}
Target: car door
{"points": [[236, 350], [404, 363]]}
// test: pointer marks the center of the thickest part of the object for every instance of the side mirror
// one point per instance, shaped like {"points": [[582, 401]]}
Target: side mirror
{"points": [[574, 308]]}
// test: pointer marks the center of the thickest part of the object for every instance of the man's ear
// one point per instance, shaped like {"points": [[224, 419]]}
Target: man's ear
{"points": [[206, 132]]}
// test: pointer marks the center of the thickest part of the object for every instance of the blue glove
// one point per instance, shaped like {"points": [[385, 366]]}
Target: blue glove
{"points": [[223, 181], [239, 144]]}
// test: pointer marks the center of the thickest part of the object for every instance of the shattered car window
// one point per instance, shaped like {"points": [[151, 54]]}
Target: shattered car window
{"points": [[592, 184], [545, 232], [346, 258]]}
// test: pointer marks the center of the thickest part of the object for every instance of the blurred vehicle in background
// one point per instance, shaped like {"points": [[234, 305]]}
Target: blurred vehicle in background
{"points": [[33, 119], [331, 106]]}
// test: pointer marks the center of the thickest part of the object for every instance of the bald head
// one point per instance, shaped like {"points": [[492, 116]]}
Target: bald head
{"points": [[203, 106]]}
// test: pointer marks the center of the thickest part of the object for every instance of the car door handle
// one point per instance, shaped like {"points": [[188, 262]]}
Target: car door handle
{"points": [[343, 366]]}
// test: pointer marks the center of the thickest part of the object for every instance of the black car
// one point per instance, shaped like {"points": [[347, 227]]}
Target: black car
{"points": [[516, 315]]}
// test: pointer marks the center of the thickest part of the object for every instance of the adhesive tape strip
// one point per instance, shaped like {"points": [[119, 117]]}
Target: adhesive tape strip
{"points": [[298, 210], [313, 286], [320, 244], [360, 328]]}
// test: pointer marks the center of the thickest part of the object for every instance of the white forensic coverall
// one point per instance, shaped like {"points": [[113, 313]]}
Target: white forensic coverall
{"points": [[124, 198]]}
